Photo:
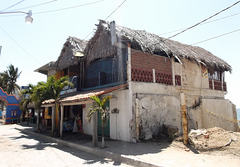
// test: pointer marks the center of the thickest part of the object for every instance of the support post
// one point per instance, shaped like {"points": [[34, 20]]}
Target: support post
{"points": [[154, 75], [213, 87], [222, 80], [137, 118], [61, 121], [173, 71], [53, 118], [38, 119], [129, 66], [184, 118]]}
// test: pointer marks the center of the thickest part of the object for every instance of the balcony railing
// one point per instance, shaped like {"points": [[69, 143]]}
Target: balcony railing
{"points": [[106, 78], [142, 75], [146, 75], [217, 85]]}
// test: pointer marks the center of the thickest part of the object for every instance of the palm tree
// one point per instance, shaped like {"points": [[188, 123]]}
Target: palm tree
{"points": [[3, 83], [54, 86], [101, 107], [9, 78], [26, 98]]}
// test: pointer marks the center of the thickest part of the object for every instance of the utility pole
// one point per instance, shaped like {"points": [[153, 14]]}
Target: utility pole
{"points": [[184, 118]]}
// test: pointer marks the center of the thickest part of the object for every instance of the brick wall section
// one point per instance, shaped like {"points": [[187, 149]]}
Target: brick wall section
{"points": [[148, 61]]}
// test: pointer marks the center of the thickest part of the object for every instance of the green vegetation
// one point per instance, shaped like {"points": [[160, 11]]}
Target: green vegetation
{"points": [[100, 106]]}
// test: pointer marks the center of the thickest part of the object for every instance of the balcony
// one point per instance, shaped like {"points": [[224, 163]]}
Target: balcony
{"points": [[68, 89], [106, 79], [146, 75], [217, 85]]}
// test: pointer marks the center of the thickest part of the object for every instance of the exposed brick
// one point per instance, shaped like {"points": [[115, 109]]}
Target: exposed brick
{"points": [[149, 61]]}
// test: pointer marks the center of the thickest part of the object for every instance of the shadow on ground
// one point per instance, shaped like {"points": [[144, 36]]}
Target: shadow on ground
{"points": [[41, 143]]}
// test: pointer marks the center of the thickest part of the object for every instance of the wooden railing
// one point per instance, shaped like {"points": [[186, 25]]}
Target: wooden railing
{"points": [[217, 85]]}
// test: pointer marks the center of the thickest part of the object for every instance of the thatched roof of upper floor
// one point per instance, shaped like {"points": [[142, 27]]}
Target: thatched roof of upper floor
{"points": [[71, 52], [100, 46]]}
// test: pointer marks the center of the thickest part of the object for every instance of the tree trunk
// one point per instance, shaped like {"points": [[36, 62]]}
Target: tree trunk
{"points": [[53, 118], [94, 132], [103, 143], [2, 105], [23, 115], [38, 115]]}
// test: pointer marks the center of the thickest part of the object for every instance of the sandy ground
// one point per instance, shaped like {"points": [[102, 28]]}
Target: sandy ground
{"points": [[219, 149]]}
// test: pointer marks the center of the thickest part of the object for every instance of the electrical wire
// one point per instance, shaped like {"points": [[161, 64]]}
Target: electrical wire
{"points": [[215, 37], [107, 17], [115, 10], [203, 21], [19, 45], [41, 4], [67, 8], [12, 5]]}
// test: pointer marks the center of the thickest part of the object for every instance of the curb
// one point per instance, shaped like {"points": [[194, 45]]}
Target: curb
{"points": [[96, 151]]}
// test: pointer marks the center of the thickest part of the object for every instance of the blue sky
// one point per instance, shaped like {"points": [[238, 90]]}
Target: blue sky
{"points": [[31, 46]]}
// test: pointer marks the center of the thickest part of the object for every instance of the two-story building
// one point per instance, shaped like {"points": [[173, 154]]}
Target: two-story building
{"points": [[146, 76]]}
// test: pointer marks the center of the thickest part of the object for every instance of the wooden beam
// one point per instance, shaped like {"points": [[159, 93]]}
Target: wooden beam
{"points": [[76, 102]]}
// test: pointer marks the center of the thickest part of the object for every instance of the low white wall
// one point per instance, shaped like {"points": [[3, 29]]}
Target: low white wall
{"points": [[218, 112]]}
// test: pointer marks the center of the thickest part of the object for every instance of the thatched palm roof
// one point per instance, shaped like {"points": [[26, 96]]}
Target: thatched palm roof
{"points": [[71, 53], [46, 68], [100, 46]]}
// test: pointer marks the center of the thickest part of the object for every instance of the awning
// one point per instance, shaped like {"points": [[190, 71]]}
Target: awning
{"points": [[83, 97], [86, 95]]}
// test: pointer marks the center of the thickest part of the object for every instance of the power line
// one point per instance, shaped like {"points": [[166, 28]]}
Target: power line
{"points": [[57, 10], [107, 17], [12, 5], [202, 23], [203, 20], [115, 9], [216, 37], [19, 44], [88, 35], [37, 5]]}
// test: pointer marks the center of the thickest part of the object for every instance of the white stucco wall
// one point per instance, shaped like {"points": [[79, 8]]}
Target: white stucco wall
{"points": [[87, 126], [119, 122]]}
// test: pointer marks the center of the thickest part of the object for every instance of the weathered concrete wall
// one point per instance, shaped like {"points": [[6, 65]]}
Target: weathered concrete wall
{"points": [[193, 75], [218, 112], [160, 104], [157, 104], [156, 110]]}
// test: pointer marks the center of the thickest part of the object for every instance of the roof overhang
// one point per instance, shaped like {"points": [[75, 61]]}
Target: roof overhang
{"points": [[47, 67], [82, 97]]}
